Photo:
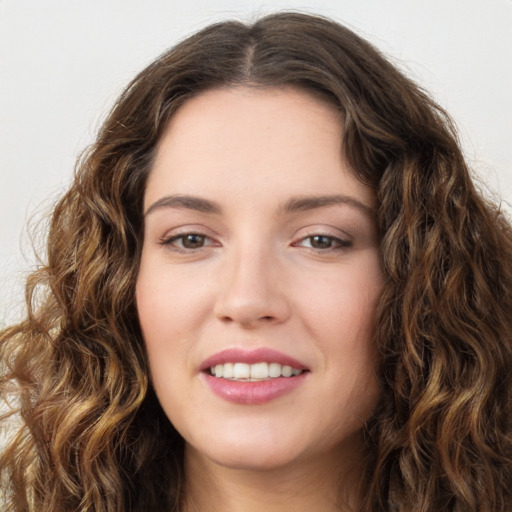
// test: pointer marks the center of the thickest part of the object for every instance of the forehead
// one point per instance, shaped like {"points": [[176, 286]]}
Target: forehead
{"points": [[247, 141]]}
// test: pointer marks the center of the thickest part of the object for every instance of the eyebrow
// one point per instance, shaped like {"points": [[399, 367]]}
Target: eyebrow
{"points": [[296, 204], [187, 202], [300, 204]]}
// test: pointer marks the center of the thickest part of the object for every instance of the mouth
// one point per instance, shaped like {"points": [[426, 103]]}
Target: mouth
{"points": [[253, 377], [257, 372]]}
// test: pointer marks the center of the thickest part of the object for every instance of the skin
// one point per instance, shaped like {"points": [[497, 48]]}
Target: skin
{"points": [[254, 276]]}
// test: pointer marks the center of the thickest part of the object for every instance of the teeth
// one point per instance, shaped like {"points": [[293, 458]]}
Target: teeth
{"points": [[228, 371], [259, 371], [274, 370], [241, 371], [286, 371], [253, 372]]}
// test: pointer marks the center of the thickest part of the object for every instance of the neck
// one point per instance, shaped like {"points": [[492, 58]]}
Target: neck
{"points": [[320, 485]]}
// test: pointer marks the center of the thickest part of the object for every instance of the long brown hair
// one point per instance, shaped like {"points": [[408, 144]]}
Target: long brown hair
{"points": [[92, 434]]}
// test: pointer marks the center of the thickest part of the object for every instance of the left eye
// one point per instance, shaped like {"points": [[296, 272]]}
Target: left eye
{"points": [[323, 242]]}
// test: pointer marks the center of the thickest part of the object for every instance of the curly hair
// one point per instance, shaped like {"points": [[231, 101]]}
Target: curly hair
{"points": [[92, 435]]}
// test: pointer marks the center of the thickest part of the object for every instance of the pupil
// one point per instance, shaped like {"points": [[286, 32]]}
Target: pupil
{"points": [[193, 241], [321, 242]]}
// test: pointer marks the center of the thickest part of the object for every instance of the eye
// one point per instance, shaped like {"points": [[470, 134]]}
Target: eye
{"points": [[323, 242], [187, 241]]}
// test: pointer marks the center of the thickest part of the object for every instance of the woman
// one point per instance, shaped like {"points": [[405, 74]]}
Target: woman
{"points": [[272, 284]]}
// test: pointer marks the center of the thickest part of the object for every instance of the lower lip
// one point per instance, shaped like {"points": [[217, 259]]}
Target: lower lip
{"points": [[253, 393]]}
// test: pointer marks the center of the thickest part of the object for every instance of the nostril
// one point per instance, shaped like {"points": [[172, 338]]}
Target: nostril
{"points": [[250, 307]]}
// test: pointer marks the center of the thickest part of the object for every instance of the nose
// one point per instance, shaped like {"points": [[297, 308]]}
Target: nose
{"points": [[251, 292]]}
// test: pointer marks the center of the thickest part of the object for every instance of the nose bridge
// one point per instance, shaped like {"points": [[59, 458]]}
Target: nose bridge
{"points": [[250, 292]]}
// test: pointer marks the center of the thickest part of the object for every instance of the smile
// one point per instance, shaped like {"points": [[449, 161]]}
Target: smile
{"points": [[253, 372], [254, 376]]}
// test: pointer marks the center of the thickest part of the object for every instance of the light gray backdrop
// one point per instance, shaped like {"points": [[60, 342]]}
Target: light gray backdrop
{"points": [[63, 62]]}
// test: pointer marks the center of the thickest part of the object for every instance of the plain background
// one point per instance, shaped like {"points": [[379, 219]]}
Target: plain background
{"points": [[63, 63]]}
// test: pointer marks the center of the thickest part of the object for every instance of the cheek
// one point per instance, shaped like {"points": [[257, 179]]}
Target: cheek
{"points": [[168, 305], [163, 321], [158, 310], [171, 310], [340, 314], [344, 303], [172, 307]]}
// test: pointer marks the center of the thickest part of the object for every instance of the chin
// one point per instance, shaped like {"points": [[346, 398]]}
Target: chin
{"points": [[253, 460], [249, 453]]}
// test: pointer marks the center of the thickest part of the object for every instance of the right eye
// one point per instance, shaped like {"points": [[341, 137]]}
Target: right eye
{"points": [[187, 241]]}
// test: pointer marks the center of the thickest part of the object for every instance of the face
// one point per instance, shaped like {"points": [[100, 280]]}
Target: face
{"points": [[259, 280]]}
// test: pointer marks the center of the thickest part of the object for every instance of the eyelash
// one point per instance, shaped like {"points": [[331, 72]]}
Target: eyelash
{"points": [[171, 242], [336, 243]]}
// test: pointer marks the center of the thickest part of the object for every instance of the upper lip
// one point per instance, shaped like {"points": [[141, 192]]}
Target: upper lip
{"points": [[259, 355]]}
